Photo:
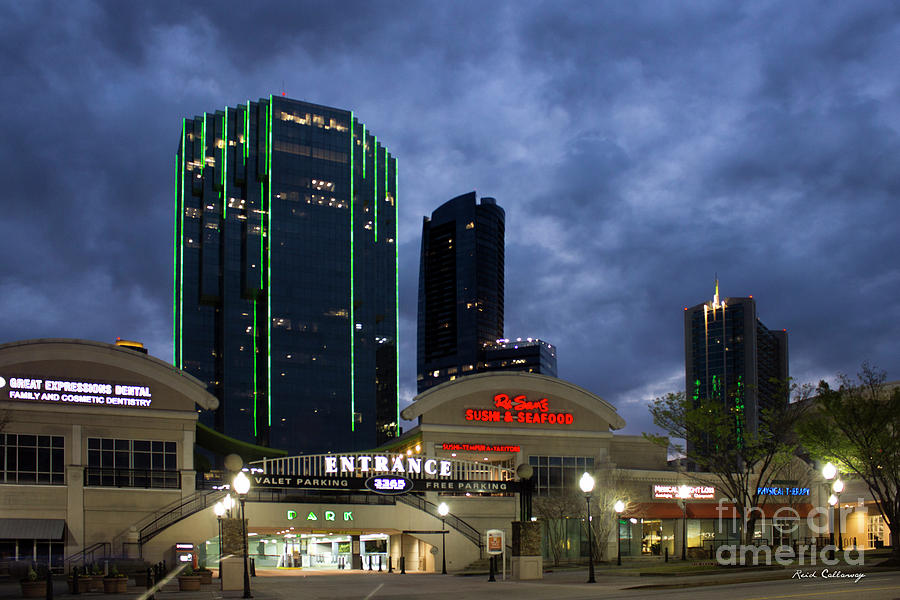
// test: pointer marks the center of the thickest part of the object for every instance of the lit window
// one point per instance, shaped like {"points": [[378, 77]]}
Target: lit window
{"points": [[470, 225]]}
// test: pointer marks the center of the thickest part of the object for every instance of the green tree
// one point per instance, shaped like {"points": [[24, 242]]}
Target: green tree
{"points": [[742, 461], [857, 427]]}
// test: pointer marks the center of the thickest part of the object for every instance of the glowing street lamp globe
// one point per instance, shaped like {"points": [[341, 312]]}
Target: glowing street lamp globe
{"points": [[219, 508], [241, 483], [838, 486], [832, 500], [443, 509], [586, 483], [829, 471], [619, 506]]}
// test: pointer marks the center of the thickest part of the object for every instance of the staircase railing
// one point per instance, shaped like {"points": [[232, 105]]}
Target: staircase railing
{"points": [[193, 504], [89, 554], [469, 532]]}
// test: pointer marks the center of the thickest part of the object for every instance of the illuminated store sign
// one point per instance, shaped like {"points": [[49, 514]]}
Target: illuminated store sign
{"points": [[329, 515], [383, 484], [389, 484], [77, 392], [519, 409], [783, 491], [463, 447], [687, 492], [387, 464]]}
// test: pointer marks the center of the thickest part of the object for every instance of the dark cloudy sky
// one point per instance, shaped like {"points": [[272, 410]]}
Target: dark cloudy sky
{"points": [[638, 148]]}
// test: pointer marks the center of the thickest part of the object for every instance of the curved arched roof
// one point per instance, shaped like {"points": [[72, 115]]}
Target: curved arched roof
{"points": [[68, 349], [450, 390]]}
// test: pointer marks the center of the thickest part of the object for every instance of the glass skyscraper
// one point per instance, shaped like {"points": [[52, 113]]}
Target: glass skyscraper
{"points": [[285, 286], [461, 285], [731, 356]]}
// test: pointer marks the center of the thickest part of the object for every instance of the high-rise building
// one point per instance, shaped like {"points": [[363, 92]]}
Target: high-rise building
{"points": [[530, 355], [730, 355], [461, 279], [286, 274]]}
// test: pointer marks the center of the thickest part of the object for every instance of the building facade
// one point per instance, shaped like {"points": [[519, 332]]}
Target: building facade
{"points": [[285, 286], [730, 355], [95, 439], [530, 355]]}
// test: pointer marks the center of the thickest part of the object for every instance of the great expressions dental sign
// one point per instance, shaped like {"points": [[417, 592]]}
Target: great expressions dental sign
{"points": [[66, 391]]}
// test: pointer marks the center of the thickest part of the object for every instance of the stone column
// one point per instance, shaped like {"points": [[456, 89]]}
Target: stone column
{"points": [[527, 561]]}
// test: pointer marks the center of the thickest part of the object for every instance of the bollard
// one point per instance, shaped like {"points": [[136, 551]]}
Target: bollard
{"points": [[49, 585], [667, 555], [390, 564], [75, 581], [379, 563], [403, 565], [491, 563], [370, 563], [252, 567]]}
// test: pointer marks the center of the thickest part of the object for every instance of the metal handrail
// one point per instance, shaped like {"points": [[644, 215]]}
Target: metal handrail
{"points": [[92, 550], [469, 532], [189, 506]]}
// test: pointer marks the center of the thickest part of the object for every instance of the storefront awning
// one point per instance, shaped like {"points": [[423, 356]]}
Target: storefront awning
{"points": [[32, 529], [709, 510]]}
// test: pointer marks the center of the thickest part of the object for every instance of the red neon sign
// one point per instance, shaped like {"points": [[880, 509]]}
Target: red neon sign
{"points": [[518, 409], [464, 447]]}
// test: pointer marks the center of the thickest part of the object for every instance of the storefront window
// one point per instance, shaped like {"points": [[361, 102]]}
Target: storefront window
{"points": [[32, 459], [132, 463], [875, 531], [558, 474]]}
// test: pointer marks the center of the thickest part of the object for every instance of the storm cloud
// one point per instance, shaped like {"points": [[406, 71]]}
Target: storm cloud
{"points": [[638, 149]]}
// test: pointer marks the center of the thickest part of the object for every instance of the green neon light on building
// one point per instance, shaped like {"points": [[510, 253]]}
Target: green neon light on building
{"points": [[397, 286], [180, 243], [224, 167], [352, 312], [375, 189], [255, 350], [203, 144], [269, 127]]}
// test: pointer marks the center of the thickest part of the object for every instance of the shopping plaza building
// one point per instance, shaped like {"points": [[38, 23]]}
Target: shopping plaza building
{"points": [[97, 460]]}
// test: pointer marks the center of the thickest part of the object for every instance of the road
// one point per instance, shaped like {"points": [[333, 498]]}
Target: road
{"points": [[561, 586]]}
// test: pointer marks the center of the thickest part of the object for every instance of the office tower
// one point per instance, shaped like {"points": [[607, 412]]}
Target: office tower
{"points": [[286, 274], [461, 282], [529, 354], [730, 355]]}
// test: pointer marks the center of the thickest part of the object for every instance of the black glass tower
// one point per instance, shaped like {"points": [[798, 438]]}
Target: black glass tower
{"points": [[461, 279], [285, 287], [731, 356]]}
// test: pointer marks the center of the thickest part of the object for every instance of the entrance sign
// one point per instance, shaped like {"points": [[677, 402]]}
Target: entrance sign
{"points": [[387, 464], [519, 409], [76, 392], [386, 482], [694, 492]]}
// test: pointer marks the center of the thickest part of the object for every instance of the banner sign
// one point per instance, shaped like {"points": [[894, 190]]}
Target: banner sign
{"points": [[382, 484]]}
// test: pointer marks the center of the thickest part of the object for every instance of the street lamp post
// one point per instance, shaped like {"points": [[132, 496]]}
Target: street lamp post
{"points": [[587, 486], [219, 509], [683, 493], [241, 485], [619, 506], [443, 509], [829, 472], [837, 487]]}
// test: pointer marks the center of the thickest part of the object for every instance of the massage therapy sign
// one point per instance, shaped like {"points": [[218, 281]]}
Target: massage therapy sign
{"points": [[519, 409]]}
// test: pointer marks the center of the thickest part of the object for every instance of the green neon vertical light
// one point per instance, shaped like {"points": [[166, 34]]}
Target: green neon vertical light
{"points": [[364, 151], [177, 281], [269, 127], [247, 133], [179, 224], [224, 167], [375, 188], [203, 145], [397, 286], [352, 312]]}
